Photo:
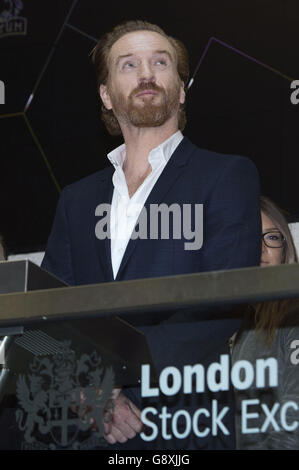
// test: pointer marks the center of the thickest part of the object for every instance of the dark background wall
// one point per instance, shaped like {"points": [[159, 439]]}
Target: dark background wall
{"points": [[239, 102]]}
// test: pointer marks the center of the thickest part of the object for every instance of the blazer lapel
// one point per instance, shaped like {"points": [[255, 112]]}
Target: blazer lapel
{"points": [[103, 247], [164, 184]]}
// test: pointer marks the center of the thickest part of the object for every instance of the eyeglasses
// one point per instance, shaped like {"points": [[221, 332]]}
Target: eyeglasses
{"points": [[273, 239]]}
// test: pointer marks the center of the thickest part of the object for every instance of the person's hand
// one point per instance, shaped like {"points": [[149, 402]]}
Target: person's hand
{"points": [[126, 420]]}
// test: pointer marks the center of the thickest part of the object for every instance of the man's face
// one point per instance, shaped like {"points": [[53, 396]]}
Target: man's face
{"points": [[144, 88]]}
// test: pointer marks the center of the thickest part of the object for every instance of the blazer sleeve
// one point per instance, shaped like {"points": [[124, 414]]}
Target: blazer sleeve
{"points": [[232, 220], [58, 256]]}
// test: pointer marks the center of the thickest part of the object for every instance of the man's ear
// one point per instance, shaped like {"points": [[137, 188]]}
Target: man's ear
{"points": [[105, 96], [182, 93]]}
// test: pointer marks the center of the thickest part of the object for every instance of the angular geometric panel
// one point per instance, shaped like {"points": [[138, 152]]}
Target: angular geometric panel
{"points": [[65, 112], [28, 195], [234, 104]]}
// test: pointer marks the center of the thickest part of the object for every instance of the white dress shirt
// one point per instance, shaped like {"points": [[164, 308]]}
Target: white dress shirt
{"points": [[125, 210]]}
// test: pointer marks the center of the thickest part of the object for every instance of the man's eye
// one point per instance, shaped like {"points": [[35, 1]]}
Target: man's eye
{"points": [[128, 65], [161, 62]]}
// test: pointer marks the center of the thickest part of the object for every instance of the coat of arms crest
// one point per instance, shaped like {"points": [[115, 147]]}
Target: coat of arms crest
{"points": [[64, 401]]}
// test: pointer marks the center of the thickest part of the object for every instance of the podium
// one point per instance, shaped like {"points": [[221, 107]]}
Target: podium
{"points": [[92, 316], [38, 313], [28, 335]]}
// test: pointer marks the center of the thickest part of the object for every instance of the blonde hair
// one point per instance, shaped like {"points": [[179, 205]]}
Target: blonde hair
{"points": [[269, 315]]}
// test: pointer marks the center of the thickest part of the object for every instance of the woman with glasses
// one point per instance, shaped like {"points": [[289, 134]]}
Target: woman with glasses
{"points": [[277, 243], [270, 330]]}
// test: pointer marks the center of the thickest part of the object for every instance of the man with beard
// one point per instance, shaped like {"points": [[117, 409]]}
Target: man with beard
{"points": [[142, 74]]}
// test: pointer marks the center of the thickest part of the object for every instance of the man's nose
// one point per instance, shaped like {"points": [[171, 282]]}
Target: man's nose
{"points": [[146, 73]]}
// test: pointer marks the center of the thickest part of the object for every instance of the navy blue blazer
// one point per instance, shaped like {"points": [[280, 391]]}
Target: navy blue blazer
{"points": [[228, 188]]}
